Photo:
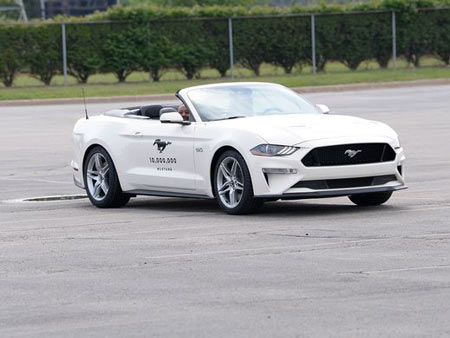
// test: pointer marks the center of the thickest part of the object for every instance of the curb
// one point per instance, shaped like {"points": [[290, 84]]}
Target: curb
{"points": [[171, 97], [376, 85], [80, 100]]}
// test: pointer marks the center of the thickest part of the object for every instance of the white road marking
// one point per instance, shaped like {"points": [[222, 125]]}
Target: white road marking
{"points": [[417, 268], [53, 198], [418, 198], [35, 180], [285, 248], [250, 250], [426, 209], [256, 221]]}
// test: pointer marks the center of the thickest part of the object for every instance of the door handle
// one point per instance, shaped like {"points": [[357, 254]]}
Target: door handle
{"points": [[137, 134]]}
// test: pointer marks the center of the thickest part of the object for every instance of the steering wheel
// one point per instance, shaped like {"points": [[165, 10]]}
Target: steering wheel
{"points": [[272, 109]]}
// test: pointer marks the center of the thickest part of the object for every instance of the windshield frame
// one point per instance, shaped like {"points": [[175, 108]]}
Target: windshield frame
{"points": [[184, 93]]}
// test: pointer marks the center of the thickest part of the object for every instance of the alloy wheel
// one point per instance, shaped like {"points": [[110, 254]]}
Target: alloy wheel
{"points": [[230, 182], [98, 176]]}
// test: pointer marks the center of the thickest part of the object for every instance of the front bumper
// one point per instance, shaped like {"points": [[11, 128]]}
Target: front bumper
{"points": [[283, 185], [333, 193], [77, 175]]}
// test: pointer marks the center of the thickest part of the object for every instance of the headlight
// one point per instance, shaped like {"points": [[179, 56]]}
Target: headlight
{"points": [[273, 150]]}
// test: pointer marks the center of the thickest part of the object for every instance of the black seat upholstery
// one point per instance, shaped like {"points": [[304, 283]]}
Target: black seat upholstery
{"points": [[151, 111]]}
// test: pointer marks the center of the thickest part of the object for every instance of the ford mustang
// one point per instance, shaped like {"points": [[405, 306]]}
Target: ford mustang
{"points": [[242, 144]]}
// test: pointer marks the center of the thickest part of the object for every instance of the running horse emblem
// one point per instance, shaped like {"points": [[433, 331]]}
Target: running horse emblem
{"points": [[161, 145], [352, 153]]}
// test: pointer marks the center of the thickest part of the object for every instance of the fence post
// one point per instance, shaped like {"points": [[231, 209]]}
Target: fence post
{"points": [[64, 52], [42, 9], [150, 78], [394, 41], [230, 44], [313, 42]]}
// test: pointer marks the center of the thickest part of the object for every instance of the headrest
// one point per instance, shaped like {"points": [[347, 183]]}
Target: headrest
{"points": [[151, 111], [167, 110]]}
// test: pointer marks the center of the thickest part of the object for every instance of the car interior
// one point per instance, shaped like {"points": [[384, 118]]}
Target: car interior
{"points": [[152, 112]]}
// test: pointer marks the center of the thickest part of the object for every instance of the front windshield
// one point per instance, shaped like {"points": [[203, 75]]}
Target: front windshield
{"points": [[224, 102]]}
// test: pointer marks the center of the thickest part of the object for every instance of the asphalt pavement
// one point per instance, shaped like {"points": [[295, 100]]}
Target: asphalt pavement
{"points": [[167, 267]]}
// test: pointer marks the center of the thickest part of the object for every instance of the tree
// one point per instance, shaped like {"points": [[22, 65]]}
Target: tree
{"points": [[217, 43], [121, 51], [250, 39], [43, 52], [289, 43], [353, 39], [84, 53], [156, 56], [12, 46], [190, 59], [381, 41], [189, 51]]}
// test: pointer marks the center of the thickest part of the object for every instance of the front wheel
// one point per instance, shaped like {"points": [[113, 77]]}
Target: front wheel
{"points": [[371, 199], [233, 185], [101, 181]]}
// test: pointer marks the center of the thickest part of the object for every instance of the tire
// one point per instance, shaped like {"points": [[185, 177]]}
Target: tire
{"points": [[370, 199], [232, 185], [102, 186]]}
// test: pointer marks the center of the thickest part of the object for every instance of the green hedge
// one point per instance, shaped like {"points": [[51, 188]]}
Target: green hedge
{"points": [[154, 40], [12, 47]]}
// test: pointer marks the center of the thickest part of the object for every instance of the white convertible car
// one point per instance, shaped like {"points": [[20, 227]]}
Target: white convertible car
{"points": [[242, 144]]}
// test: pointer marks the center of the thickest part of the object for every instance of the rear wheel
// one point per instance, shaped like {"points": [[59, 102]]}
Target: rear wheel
{"points": [[371, 199], [233, 185], [101, 181]]}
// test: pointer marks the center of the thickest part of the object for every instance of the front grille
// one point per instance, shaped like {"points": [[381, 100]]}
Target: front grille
{"points": [[349, 154], [342, 183]]}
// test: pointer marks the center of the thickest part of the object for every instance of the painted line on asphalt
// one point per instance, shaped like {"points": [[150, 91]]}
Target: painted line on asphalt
{"points": [[209, 226], [259, 249], [425, 209], [35, 180], [171, 229], [417, 268], [419, 198], [52, 228], [52, 198], [276, 248], [223, 225], [295, 247]]}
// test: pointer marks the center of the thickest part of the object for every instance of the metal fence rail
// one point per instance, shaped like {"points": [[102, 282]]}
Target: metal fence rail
{"points": [[230, 23], [231, 33]]}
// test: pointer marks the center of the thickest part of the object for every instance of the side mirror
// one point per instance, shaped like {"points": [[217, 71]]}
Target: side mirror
{"points": [[172, 117], [323, 108]]}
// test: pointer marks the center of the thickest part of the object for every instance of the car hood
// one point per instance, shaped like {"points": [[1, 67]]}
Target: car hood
{"points": [[295, 129]]}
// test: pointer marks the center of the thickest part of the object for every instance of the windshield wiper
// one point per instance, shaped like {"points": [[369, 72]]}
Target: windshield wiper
{"points": [[231, 117]]}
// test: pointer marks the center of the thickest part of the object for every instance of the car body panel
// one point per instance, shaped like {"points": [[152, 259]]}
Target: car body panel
{"points": [[177, 160]]}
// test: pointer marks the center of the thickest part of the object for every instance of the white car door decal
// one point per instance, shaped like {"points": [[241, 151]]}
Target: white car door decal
{"points": [[162, 158]]}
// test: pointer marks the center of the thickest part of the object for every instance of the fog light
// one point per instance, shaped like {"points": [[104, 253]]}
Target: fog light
{"points": [[279, 171]]}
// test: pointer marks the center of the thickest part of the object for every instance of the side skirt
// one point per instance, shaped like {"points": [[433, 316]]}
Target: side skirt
{"points": [[166, 194]]}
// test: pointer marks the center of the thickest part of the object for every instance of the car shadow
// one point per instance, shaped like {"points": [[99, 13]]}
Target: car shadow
{"points": [[316, 207], [269, 209], [188, 205]]}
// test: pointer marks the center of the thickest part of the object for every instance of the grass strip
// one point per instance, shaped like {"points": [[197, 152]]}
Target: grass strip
{"points": [[171, 86]]}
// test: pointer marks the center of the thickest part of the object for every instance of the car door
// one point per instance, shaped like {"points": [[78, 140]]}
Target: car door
{"points": [[160, 156]]}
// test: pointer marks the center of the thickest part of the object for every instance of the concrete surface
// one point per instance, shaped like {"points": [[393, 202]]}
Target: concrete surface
{"points": [[181, 268]]}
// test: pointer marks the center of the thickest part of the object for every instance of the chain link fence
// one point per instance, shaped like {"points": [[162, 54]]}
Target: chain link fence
{"points": [[189, 45]]}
